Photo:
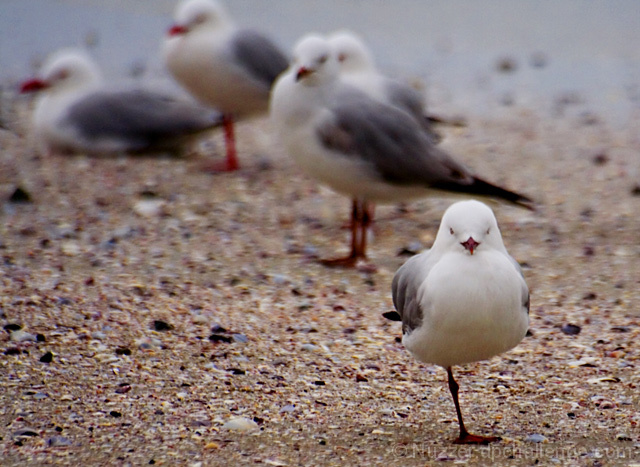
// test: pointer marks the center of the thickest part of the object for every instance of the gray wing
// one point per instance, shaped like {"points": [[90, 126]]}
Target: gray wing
{"points": [[404, 289], [390, 140], [525, 287], [393, 144], [409, 99], [259, 56], [137, 117]]}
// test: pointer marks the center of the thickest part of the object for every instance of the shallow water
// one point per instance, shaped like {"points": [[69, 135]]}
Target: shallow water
{"points": [[587, 51]]}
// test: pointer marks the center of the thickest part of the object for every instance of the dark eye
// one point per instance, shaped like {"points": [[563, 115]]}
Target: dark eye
{"points": [[323, 59], [342, 57], [62, 74], [488, 230], [451, 231]]}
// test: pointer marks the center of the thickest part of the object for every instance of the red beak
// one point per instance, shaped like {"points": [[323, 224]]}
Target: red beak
{"points": [[177, 30], [302, 72], [470, 244], [33, 85]]}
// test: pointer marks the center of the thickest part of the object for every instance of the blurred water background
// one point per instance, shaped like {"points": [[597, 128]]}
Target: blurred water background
{"points": [[485, 58]]}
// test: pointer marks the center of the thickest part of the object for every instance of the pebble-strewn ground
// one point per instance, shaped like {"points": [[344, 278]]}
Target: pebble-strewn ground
{"points": [[165, 316]]}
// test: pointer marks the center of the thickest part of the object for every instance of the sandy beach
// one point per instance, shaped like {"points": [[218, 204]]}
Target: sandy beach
{"points": [[153, 313], [156, 314]]}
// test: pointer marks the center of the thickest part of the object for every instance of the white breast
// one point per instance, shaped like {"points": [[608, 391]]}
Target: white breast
{"points": [[473, 310]]}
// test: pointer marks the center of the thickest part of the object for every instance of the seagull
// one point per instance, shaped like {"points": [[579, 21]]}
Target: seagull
{"points": [[76, 112], [359, 146], [464, 300], [357, 68], [221, 65]]}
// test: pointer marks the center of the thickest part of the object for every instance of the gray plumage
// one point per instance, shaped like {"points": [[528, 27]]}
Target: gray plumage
{"points": [[404, 291], [141, 119], [393, 145], [410, 100], [259, 56]]}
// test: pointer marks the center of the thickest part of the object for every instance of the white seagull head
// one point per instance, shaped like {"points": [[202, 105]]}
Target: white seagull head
{"points": [[314, 61], [199, 15], [351, 52], [65, 70], [467, 227]]}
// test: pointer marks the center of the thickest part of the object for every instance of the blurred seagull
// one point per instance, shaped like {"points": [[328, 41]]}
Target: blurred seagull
{"points": [[75, 112], [463, 300], [357, 68], [221, 65], [360, 146]]}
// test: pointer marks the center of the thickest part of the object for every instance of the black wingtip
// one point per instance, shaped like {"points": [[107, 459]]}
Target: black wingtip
{"points": [[481, 187], [392, 316], [446, 121], [488, 189], [217, 119]]}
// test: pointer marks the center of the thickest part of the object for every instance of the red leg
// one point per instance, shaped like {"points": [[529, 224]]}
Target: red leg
{"points": [[465, 437], [366, 218], [231, 163], [230, 140], [369, 214], [359, 224]]}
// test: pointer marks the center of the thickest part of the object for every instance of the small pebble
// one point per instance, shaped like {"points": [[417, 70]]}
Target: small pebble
{"points": [[160, 325], [275, 463], [220, 338], [571, 329], [123, 388], [240, 424], [20, 195], [216, 328], [47, 358], [600, 158], [148, 207], [71, 248], [200, 319], [200, 423], [241, 338], [23, 336], [538, 60], [280, 279], [506, 65], [25, 432], [536, 438], [58, 441], [288, 408]]}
